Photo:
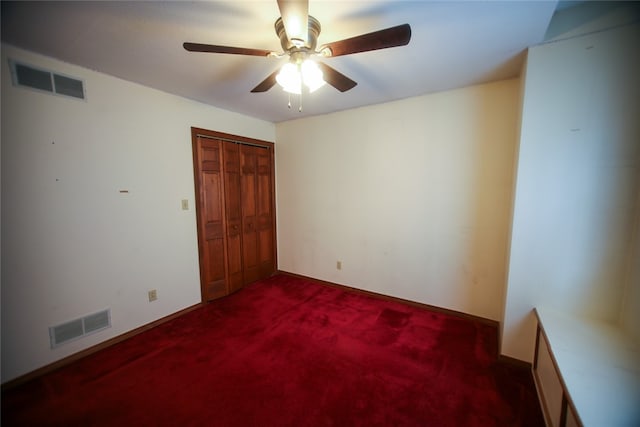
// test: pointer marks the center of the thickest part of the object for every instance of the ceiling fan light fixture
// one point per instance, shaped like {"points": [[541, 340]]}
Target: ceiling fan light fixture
{"points": [[292, 76], [289, 78], [312, 75]]}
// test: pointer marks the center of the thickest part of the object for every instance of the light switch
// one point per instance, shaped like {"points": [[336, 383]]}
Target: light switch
{"points": [[185, 204]]}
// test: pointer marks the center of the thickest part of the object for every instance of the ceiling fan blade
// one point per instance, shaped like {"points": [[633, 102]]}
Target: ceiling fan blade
{"points": [[336, 78], [267, 83], [390, 37], [295, 17], [198, 47]]}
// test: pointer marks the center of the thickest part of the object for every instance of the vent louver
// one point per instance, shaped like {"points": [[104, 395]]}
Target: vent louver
{"points": [[37, 78], [78, 328]]}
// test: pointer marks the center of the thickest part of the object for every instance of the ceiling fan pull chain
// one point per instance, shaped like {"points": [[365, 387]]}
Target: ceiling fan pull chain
{"points": [[289, 104], [300, 96]]}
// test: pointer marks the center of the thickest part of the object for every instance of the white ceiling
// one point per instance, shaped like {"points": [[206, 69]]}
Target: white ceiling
{"points": [[453, 44]]}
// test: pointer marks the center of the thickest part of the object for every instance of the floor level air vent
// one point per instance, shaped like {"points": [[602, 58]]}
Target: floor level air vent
{"points": [[78, 328], [37, 78]]}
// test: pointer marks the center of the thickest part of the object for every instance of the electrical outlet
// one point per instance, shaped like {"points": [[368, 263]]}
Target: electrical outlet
{"points": [[339, 265], [153, 295]]}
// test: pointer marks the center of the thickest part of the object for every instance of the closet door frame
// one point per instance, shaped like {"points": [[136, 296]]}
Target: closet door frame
{"points": [[241, 140]]}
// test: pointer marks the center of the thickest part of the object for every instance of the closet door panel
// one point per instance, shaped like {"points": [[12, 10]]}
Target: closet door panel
{"points": [[265, 239], [249, 213], [211, 221], [233, 206], [264, 200], [214, 270]]}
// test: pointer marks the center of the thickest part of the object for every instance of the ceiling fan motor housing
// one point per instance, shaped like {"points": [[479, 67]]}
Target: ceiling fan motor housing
{"points": [[289, 45]]}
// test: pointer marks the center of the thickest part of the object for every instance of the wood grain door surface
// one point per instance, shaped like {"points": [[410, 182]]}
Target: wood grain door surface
{"points": [[235, 211]]}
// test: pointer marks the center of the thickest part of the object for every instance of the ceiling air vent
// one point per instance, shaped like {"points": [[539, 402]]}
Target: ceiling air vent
{"points": [[79, 328], [37, 78]]}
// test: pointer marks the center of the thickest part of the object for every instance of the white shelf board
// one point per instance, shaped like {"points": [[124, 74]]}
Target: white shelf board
{"points": [[599, 365]]}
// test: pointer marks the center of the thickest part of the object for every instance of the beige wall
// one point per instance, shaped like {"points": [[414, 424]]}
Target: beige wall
{"points": [[577, 183], [72, 244], [413, 196], [630, 313]]}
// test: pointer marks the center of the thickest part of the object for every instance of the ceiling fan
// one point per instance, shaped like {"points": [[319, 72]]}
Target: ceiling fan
{"points": [[298, 33]]}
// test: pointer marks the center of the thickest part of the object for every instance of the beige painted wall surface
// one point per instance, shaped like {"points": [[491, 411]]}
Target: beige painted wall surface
{"points": [[577, 183], [72, 244], [630, 313], [413, 196]]}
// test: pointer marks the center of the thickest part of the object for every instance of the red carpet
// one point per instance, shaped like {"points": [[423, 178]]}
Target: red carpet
{"points": [[288, 352]]}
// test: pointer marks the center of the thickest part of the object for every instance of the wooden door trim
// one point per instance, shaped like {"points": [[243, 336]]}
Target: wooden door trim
{"points": [[206, 133], [230, 138]]}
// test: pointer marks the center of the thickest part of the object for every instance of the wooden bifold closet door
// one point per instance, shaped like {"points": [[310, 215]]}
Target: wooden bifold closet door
{"points": [[235, 211]]}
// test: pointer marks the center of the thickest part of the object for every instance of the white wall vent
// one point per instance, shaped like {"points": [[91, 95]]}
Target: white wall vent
{"points": [[78, 328], [45, 80]]}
